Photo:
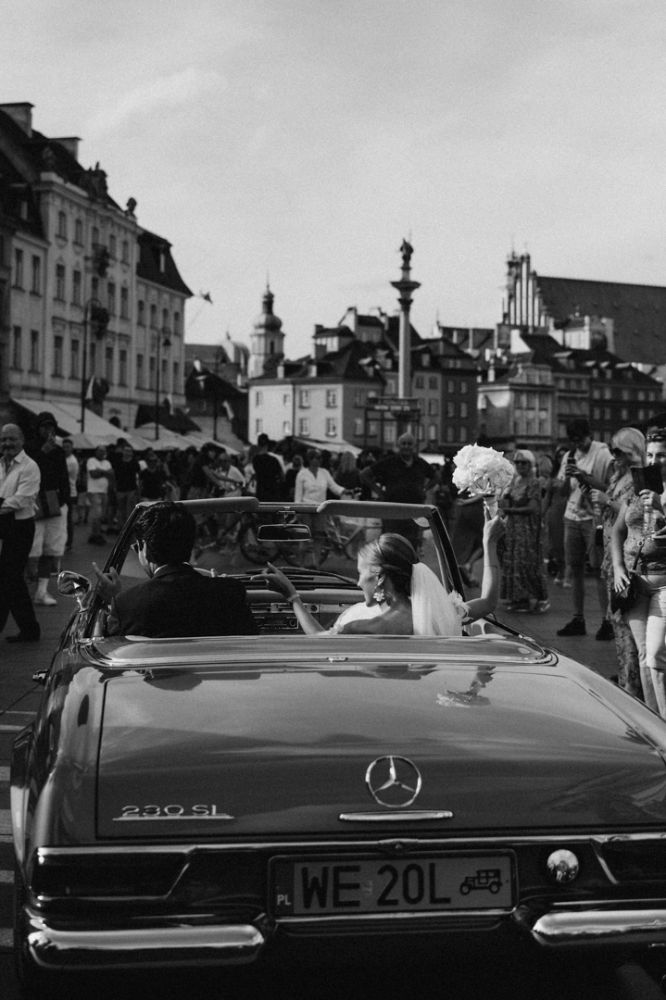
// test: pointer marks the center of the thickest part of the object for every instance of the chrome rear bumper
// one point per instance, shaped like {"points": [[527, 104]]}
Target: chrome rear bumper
{"points": [[601, 924], [55, 948]]}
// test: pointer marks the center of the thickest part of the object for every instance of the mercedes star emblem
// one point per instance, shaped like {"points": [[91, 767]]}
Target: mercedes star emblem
{"points": [[393, 781]]}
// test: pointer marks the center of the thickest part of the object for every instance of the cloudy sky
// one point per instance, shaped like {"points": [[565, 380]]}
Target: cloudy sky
{"points": [[304, 139]]}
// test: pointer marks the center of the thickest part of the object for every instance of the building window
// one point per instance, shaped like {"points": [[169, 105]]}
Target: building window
{"points": [[78, 232], [286, 428], [141, 313], [92, 356], [76, 288], [34, 350], [286, 398], [390, 435], [258, 398], [433, 408], [464, 433], [125, 252], [304, 398], [258, 427], [464, 387], [60, 283], [432, 432], [17, 349], [152, 368], [108, 365], [418, 381], [450, 387], [74, 371], [175, 368], [463, 410], [124, 302], [18, 268], [62, 225], [432, 381], [36, 286], [95, 237], [122, 367], [153, 316], [331, 427], [176, 324], [112, 247], [450, 434], [450, 409], [390, 387], [331, 397], [57, 356], [359, 397], [94, 287], [111, 298], [139, 371], [304, 426]]}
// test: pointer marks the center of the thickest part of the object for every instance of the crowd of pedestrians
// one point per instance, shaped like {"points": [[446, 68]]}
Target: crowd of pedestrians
{"points": [[579, 512]]}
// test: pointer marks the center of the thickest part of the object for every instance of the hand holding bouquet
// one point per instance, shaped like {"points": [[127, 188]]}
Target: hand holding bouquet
{"points": [[483, 472]]}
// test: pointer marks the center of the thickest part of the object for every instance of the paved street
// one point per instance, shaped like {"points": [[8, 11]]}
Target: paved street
{"points": [[19, 695]]}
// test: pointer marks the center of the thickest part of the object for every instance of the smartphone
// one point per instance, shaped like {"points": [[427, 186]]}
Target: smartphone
{"points": [[647, 477]]}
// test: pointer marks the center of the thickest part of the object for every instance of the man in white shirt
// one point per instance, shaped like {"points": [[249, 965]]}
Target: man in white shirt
{"points": [[100, 474], [19, 485]]}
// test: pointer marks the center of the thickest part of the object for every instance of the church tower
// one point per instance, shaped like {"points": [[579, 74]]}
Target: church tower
{"points": [[266, 340]]}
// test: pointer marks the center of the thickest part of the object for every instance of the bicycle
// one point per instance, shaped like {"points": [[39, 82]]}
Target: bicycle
{"points": [[340, 540]]}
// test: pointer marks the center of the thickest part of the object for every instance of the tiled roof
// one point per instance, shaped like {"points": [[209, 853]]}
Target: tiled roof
{"points": [[638, 312], [151, 247], [545, 350]]}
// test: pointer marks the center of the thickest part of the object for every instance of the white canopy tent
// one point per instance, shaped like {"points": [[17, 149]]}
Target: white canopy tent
{"points": [[97, 430]]}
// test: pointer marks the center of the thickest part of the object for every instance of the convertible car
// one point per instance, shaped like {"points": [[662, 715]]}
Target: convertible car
{"points": [[240, 799]]}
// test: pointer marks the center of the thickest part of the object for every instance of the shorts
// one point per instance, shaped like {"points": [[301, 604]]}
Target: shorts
{"points": [[580, 544], [50, 536], [98, 504]]}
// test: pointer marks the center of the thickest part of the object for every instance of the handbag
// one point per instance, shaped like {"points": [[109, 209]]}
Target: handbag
{"points": [[624, 600], [48, 505]]}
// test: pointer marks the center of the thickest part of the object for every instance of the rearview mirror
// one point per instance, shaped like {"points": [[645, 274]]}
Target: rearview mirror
{"points": [[293, 532]]}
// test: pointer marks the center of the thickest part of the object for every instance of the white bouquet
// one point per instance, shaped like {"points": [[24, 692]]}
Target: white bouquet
{"points": [[484, 472]]}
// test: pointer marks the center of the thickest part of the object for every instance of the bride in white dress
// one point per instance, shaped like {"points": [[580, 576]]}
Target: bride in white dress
{"points": [[402, 595]]}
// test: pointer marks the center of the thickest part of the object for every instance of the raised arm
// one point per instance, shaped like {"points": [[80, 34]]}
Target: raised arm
{"points": [[493, 530], [284, 586]]}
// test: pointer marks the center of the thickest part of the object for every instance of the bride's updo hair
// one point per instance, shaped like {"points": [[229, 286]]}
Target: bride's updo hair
{"points": [[393, 556]]}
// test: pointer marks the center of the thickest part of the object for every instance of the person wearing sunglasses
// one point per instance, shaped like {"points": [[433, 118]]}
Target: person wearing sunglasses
{"points": [[175, 600], [628, 449]]}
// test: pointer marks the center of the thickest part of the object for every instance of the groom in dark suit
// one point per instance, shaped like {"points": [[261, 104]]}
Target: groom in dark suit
{"points": [[175, 600]]}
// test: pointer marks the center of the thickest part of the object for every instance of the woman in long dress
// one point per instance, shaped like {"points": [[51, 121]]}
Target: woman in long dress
{"points": [[402, 596], [523, 579]]}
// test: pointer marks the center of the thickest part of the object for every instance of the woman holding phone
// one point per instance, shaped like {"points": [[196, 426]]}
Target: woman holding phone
{"points": [[638, 539], [628, 450]]}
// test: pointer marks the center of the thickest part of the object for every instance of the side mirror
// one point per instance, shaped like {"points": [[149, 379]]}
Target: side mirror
{"points": [[71, 584]]}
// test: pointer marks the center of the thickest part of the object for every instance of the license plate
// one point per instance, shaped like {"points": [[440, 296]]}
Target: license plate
{"points": [[335, 886]]}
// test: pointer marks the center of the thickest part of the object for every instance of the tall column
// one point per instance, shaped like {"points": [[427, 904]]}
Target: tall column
{"points": [[405, 287]]}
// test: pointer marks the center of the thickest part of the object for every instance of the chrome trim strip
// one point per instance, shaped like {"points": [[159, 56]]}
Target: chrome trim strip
{"points": [[286, 844], [54, 948], [604, 926], [370, 918], [409, 815], [170, 819]]}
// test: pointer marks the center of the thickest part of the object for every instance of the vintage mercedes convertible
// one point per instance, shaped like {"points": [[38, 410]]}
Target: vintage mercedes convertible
{"points": [[235, 799]]}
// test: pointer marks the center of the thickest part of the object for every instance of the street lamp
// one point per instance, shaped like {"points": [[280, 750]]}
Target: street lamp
{"points": [[95, 318], [163, 340]]}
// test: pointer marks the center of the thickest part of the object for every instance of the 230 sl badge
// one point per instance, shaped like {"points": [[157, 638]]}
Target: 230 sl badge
{"points": [[172, 811]]}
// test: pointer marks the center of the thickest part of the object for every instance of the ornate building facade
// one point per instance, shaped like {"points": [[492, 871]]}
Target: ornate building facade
{"points": [[92, 306]]}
